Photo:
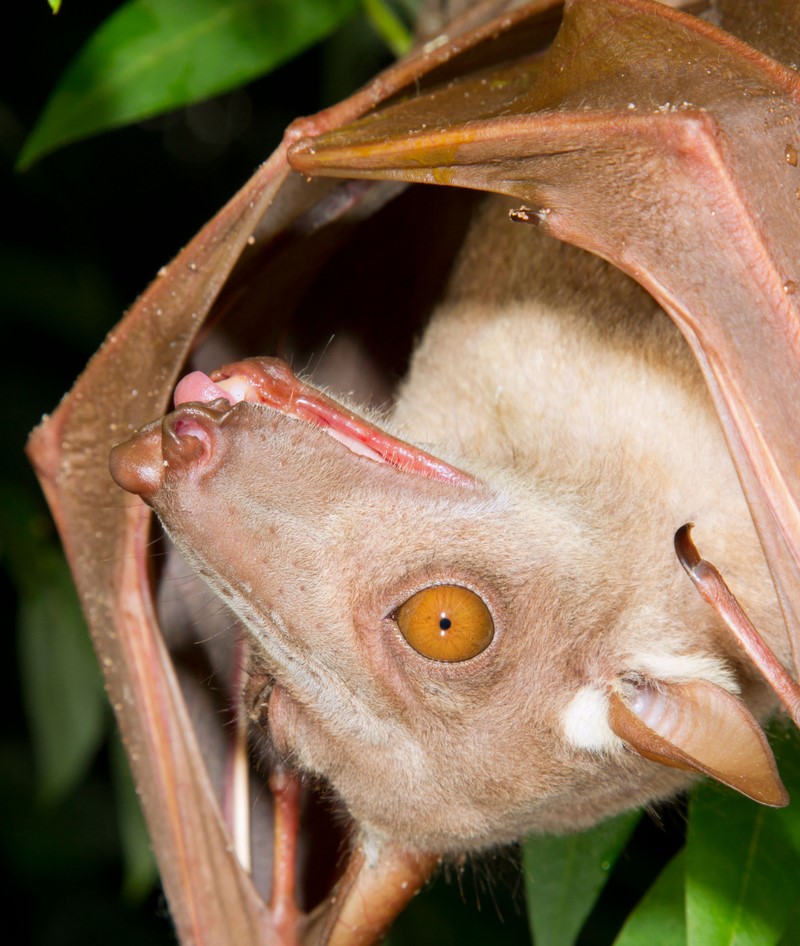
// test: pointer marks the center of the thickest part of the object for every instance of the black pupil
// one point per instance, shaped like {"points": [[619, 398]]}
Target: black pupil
{"points": [[444, 623]]}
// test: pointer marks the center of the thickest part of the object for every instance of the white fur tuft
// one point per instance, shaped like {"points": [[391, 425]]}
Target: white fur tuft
{"points": [[585, 721], [685, 668]]}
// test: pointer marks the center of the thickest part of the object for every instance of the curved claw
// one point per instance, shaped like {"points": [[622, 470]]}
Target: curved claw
{"points": [[715, 591]]}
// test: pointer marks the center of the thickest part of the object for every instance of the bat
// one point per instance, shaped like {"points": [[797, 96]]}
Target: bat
{"points": [[665, 144]]}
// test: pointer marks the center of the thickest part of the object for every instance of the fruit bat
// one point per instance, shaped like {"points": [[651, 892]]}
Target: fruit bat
{"points": [[463, 612]]}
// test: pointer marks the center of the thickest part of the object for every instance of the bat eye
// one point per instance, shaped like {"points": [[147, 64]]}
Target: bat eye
{"points": [[446, 622]]}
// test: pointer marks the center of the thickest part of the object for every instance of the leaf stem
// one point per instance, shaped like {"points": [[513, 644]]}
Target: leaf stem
{"points": [[388, 26]]}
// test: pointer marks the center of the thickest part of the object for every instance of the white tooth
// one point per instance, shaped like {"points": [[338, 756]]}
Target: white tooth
{"points": [[356, 446], [239, 389]]}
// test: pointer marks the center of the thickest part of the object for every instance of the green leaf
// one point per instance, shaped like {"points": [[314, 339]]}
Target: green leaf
{"points": [[154, 55], [742, 871], [61, 683], [62, 688], [743, 860], [791, 935], [660, 918], [564, 876], [55, 5], [785, 741], [141, 871]]}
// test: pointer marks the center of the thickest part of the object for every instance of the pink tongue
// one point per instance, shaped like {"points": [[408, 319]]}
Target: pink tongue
{"points": [[198, 387]]}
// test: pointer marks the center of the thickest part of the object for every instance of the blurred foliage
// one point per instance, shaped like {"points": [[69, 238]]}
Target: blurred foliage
{"points": [[743, 860], [85, 231], [660, 919], [564, 876], [152, 56], [388, 25]]}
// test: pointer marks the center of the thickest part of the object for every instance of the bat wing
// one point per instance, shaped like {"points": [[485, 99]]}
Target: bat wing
{"points": [[668, 146], [106, 535], [266, 237], [611, 153]]}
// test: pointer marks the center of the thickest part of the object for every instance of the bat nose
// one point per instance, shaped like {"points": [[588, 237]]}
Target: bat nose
{"points": [[136, 465], [185, 438]]}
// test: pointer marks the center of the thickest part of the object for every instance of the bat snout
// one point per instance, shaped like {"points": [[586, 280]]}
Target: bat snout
{"points": [[136, 464], [184, 439]]}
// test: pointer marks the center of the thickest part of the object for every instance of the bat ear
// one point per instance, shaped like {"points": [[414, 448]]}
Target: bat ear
{"points": [[701, 727]]}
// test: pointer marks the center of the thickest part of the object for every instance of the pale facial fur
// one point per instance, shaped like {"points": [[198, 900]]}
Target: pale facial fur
{"points": [[559, 385]]}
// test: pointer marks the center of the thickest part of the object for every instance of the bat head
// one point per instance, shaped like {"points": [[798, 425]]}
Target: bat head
{"points": [[437, 639]]}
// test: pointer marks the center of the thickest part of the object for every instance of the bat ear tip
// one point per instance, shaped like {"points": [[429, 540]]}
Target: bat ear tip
{"points": [[701, 727]]}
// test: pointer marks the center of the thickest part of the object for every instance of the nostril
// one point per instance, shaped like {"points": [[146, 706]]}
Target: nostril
{"points": [[186, 440], [190, 433], [190, 427]]}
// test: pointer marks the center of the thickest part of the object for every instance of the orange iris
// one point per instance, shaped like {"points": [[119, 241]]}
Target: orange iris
{"points": [[446, 622]]}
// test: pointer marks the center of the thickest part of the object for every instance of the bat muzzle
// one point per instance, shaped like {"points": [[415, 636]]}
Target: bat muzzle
{"points": [[184, 439]]}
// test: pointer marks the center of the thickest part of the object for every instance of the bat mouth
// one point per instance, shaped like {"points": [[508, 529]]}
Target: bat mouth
{"points": [[271, 382]]}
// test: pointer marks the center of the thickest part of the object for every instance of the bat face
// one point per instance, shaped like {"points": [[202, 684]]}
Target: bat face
{"points": [[442, 634], [327, 547]]}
